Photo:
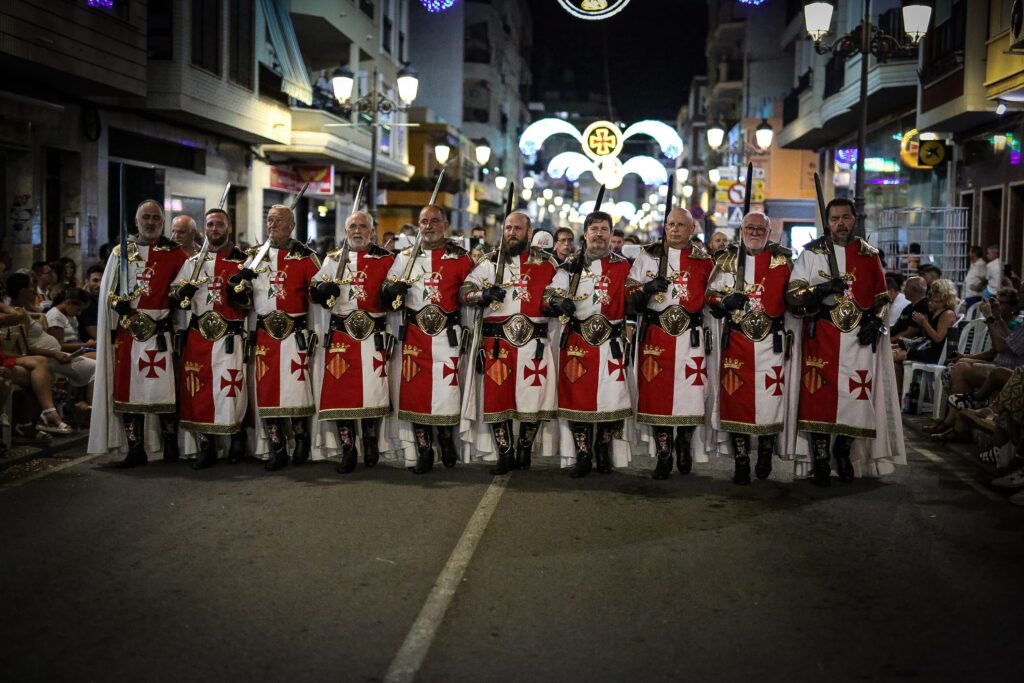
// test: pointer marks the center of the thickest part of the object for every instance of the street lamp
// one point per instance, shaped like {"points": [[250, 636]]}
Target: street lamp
{"points": [[687, 191], [483, 152], [441, 153], [500, 182], [763, 134], [374, 103], [716, 135], [682, 174], [528, 182], [866, 39], [714, 176]]}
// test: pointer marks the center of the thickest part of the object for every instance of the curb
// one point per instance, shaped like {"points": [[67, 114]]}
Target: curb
{"points": [[27, 452]]}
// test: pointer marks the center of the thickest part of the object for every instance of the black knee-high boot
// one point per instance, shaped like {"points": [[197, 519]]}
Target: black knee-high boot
{"points": [[822, 473], [424, 449], [346, 436], [207, 456], [524, 448], [371, 450], [503, 440], [684, 461], [582, 435], [446, 440], [663, 442], [169, 431], [236, 451], [842, 452], [741, 446], [302, 441], [278, 444], [765, 449], [603, 447], [133, 424]]}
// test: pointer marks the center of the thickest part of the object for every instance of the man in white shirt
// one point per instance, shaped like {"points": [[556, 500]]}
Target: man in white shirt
{"points": [[977, 274], [994, 271], [894, 284]]}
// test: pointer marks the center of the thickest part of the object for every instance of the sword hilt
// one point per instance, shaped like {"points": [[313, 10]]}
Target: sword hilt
{"points": [[660, 297], [330, 302], [186, 303], [398, 302]]}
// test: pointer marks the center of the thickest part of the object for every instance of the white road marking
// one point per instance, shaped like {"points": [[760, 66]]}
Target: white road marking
{"points": [[39, 475], [991, 495], [407, 662]]}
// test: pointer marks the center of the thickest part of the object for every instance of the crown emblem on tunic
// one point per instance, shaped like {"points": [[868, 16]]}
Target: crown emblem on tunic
{"points": [[262, 350], [577, 351], [650, 350], [339, 348], [411, 351], [815, 362], [734, 363], [193, 367]]}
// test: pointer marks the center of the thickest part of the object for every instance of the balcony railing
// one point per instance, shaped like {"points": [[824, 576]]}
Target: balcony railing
{"points": [[791, 107], [944, 47], [835, 76]]}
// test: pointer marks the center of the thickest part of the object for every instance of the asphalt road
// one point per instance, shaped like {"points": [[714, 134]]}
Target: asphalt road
{"points": [[166, 574]]}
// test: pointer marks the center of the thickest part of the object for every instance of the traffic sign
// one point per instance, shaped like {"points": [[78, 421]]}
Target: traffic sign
{"points": [[735, 216], [737, 192]]}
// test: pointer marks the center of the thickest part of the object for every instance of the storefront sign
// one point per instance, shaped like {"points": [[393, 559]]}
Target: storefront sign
{"points": [[320, 179], [282, 179]]}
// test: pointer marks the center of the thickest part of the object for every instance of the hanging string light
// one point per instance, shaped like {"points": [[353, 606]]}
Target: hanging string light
{"points": [[437, 5]]}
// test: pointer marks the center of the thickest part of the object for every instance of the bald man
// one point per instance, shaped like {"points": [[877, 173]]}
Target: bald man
{"points": [[717, 242], [354, 386], [666, 289], [184, 233]]}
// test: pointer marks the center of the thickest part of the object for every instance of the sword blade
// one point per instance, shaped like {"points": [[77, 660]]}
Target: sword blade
{"points": [[197, 269], [437, 187], [122, 266], [295, 202], [224, 196], [359, 195]]}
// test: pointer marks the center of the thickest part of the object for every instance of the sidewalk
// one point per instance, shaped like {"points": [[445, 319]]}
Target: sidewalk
{"points": [[25, 450]]}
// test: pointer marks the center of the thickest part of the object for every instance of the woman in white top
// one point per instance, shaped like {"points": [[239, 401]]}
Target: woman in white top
{"points": [[62, 321], [78, 369]]}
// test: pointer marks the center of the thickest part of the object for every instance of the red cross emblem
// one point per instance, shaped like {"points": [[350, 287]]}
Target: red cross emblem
{"points": [[214, 290], [451, 371], [379, 363], [617, 367], [149, 366], [301, 367], [535, 372], [773, 381], [277, 285], [432, 287], [680, 286], [699, 371], [144, 277], [232, 382], [602, 141], [862, 384]]}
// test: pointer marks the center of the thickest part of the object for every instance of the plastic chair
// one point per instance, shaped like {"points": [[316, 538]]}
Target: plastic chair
{"points": [[933, 371]]}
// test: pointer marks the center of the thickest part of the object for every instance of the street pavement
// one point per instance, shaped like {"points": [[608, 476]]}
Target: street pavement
{"points": [[166, 574]]}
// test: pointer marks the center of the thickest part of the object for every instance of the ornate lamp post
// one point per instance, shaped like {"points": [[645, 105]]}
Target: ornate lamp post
{"points": [[865, 39], [374, 103]]}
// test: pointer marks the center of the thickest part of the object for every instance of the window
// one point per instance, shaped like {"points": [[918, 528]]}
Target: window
{"points": [[159, 31], [366, 7], [240, 42], [385, 36], [206, 34]]}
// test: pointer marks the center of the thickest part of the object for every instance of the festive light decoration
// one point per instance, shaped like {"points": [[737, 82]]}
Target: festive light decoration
{"points": [[593, 9], [752, 3], [437, 5]]}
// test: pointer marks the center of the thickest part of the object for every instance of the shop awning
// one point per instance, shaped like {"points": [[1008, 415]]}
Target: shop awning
{"points": [[294, 79]]}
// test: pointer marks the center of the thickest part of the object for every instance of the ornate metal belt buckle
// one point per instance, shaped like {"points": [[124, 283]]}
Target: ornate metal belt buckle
{"points": [[140, 326], [756, 325], [674, 320], [596, 330], [212, 325], [846, 315], [359, 325], [278, 325], [518, 329], [431, 319]]}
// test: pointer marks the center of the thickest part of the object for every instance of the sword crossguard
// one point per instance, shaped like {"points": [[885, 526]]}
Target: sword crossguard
{"points": [[660, 297], [398, 302], [330, 302], [495, 305], [240, 287], [186, 303]]}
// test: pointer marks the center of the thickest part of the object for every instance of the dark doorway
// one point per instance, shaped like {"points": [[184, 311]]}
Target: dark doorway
{"points": [[991, 218], [140, 183]]}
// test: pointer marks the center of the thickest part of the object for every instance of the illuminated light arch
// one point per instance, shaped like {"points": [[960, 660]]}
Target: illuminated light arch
{"points": [[667, 138], [539, 131], [650, 170], [570, 165]]}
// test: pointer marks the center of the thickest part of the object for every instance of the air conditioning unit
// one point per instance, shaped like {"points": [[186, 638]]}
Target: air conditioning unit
{"points": [[1017, 26]]}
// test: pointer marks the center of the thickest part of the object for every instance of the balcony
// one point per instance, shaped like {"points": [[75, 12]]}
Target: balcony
{"points": [[943, 47], [322, 136], [835, 76]]}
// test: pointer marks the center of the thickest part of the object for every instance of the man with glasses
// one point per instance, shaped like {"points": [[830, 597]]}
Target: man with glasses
{"points": [[563, 245], [431, 334], [846, 379], [354, 383], [671, 360], [750, 298], [135, 369], [284, 340]]}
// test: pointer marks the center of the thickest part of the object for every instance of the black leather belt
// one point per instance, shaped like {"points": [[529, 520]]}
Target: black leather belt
{"points": [[280, 326], [533, 331], [232, 326], [338, 323], [298, 322], [431, 319], [654, 318]]}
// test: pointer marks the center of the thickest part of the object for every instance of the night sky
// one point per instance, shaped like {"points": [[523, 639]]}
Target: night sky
{"points": [[653, 47]]}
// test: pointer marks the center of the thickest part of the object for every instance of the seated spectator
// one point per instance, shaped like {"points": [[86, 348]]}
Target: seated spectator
{"points": [[894, 285], [1004, 420], [942, 302], [70, 270], [975, 378], [916, 292], [930, 272], [43, 281], [62, 319], [31, 373], [87, 319], [974, 281], [79, 371]]}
